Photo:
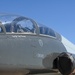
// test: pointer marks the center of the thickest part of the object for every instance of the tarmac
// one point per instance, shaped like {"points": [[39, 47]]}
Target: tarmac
{"points": [[29, 74], [21, 73]]}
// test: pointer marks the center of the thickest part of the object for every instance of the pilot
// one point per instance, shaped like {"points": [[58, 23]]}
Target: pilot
{"points": [[19, 28], [12, 28], [1, 30], [0, 23]]}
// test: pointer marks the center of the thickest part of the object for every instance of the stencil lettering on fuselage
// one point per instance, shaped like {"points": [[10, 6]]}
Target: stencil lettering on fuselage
{"points": [[40, 42]]}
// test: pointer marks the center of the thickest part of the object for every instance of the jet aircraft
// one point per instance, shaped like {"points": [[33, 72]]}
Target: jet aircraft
{"points": [[31, 47]]}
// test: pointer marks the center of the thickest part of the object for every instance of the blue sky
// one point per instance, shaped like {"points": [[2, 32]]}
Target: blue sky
{"points": [[56, 14]]}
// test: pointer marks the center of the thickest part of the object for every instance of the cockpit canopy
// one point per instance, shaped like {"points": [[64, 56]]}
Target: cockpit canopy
{"points": [[20, 24], [17, 24], [46, 31]]}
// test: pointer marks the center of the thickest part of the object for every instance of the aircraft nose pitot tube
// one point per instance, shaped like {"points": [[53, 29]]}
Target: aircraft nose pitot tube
{"points": [[65, 63]]}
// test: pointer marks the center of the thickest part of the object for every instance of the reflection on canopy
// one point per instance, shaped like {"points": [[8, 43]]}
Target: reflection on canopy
{"points": [[20, 24], [46, 31], [17, 23]]}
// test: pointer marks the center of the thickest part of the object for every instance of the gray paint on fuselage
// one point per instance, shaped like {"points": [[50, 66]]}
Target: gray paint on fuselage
{"points": [[25, 51]]}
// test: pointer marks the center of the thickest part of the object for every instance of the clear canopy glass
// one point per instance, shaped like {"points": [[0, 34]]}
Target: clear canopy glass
{"points": [[20, 24], [14, 23]]}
